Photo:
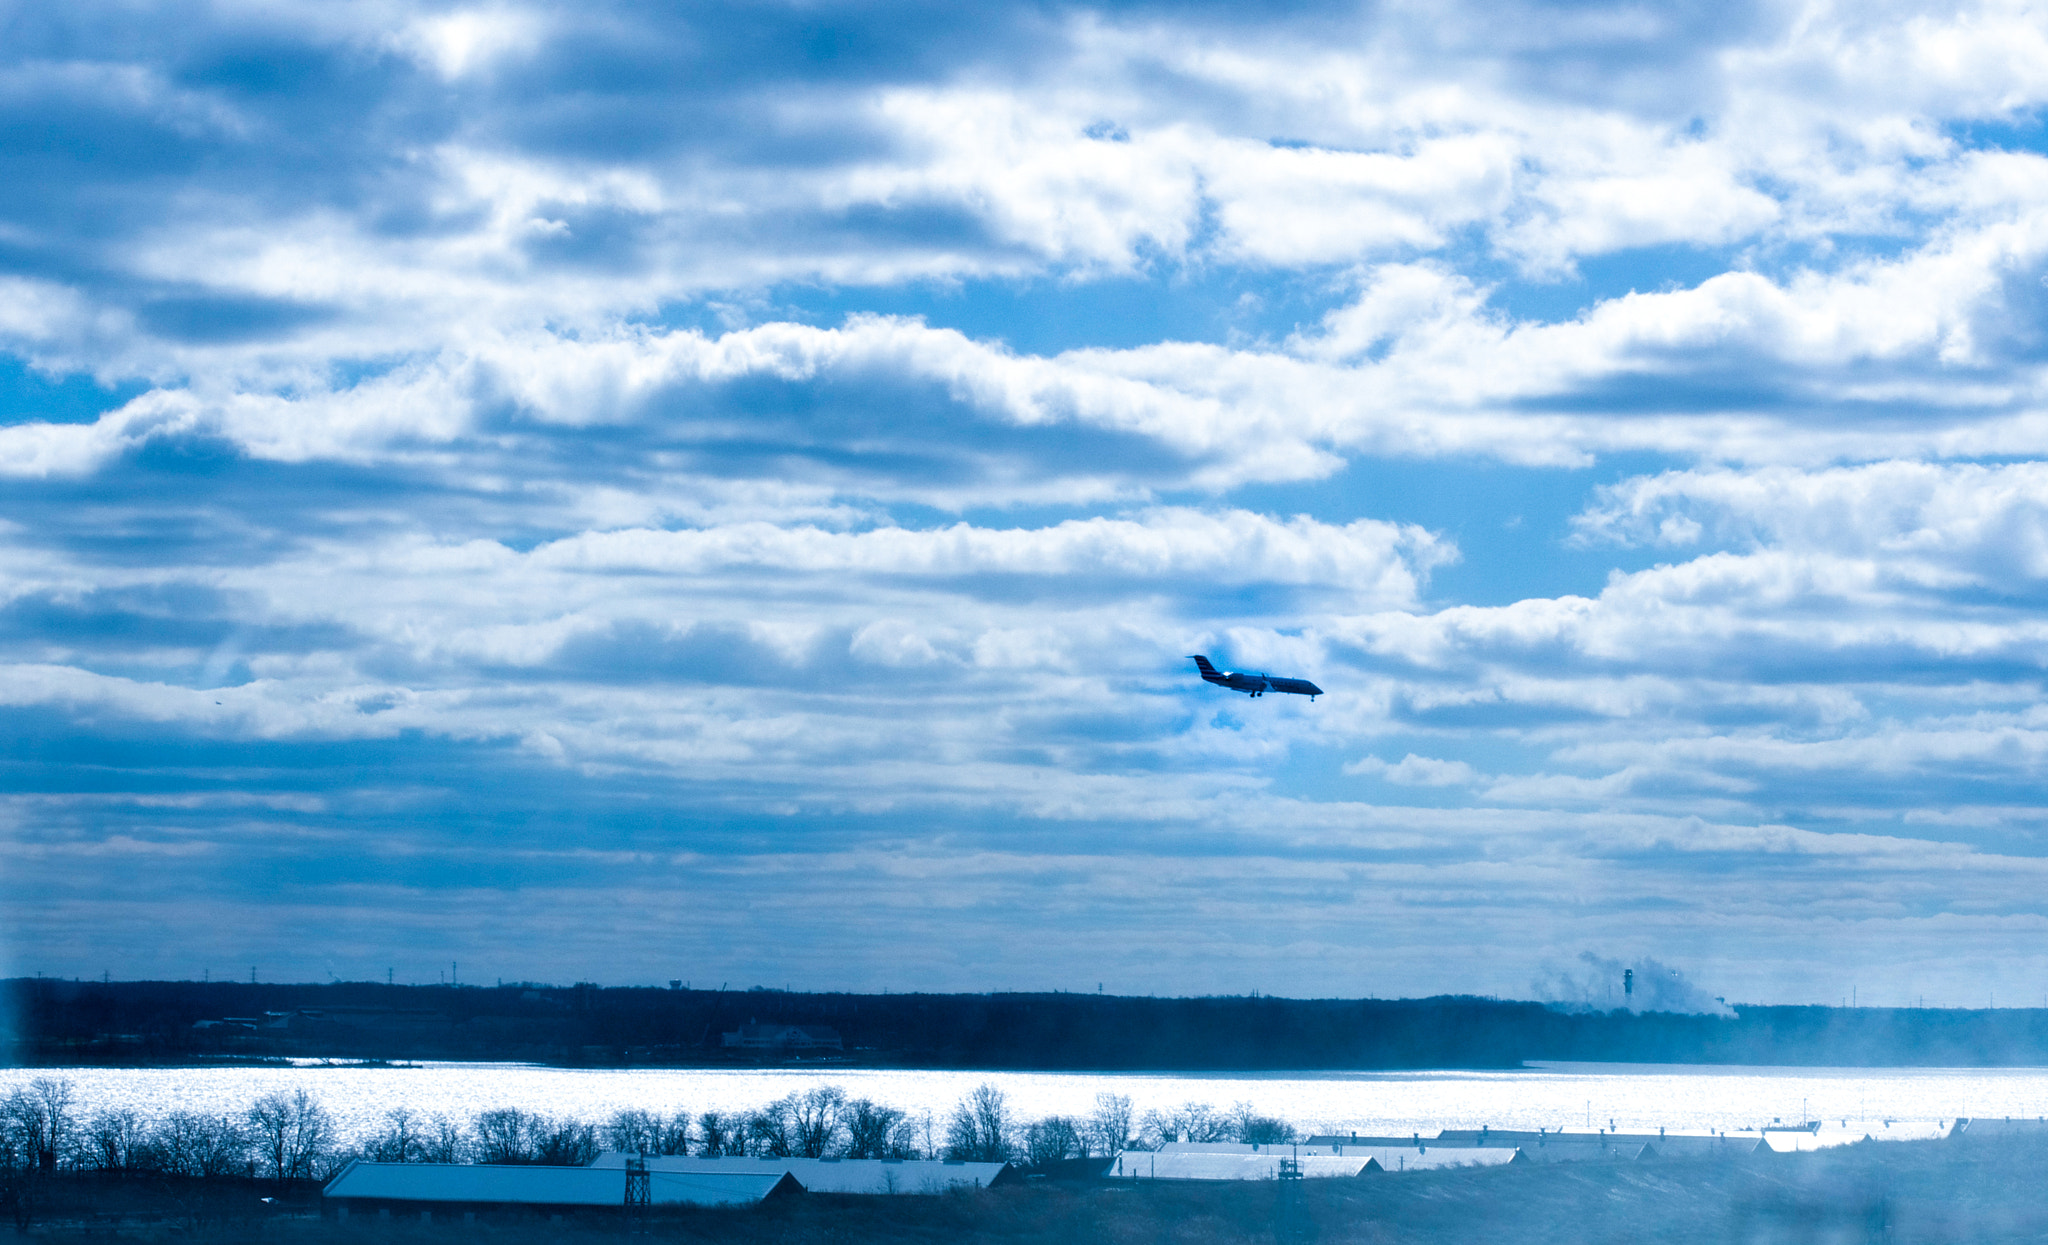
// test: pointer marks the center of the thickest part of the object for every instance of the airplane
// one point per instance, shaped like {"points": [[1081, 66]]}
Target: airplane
{"points": [[1252, 684]]}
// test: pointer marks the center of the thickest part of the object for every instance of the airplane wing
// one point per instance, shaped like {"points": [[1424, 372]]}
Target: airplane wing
{"points": [[1300, 687]]}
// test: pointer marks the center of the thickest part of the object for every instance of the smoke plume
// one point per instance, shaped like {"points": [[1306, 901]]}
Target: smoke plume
{"points": [[1597, 987]]}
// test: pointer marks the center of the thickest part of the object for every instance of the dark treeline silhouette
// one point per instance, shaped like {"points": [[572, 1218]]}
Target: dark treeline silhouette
{"points": [[51, 1022]]}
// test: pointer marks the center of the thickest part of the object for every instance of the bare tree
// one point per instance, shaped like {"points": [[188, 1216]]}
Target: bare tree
{"points": [[631, 1130], [115, 1140], [1109, 1126], [504, 1135], [1248, 1126], [291, 1132], [868, 1130], [38, 1116], [814, 1120], [1052, 1139], [714, 1135], [511, 1136], [402, 1141], [670, 1134], [35, 1128], [1198, 1121], [1191, 1121], [444, 1142], [187, 1143], [770, 1129], [980, 1128], [19, 1179], [563, 1143], [915, 1138], [1154, 1130]]}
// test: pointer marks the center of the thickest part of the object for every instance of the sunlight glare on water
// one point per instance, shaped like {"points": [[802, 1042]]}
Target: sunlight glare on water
{"points": [[1637, 1097]]}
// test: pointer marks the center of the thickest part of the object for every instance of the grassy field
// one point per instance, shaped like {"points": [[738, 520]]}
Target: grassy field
{"points": [[1892, 1192]]}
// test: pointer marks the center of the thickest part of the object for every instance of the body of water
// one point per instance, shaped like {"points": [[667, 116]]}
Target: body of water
{"points": [[1632, 1096]]}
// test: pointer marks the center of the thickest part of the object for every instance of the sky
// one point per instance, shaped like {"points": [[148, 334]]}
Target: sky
{"points": [[726, 492]]}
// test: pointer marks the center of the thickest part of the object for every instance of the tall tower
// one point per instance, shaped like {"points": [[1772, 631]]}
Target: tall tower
{"points": [[1628, 987], [639, 1192]]}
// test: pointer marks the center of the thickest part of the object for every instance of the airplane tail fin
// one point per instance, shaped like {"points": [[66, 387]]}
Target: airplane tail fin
{"points": [[1202, 663]]}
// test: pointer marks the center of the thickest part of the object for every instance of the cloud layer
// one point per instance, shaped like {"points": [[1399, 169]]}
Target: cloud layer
{"points": [[470, 460]]}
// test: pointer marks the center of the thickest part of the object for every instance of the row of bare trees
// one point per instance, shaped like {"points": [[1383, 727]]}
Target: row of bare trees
{"points": [[818, 1123], [285, 1136], [981, 1128], [281, 1136]]}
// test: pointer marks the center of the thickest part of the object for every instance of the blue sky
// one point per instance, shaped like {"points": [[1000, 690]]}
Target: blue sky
{"points": [[725, 492]]}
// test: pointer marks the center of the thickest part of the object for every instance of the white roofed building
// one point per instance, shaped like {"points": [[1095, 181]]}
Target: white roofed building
{"points": [[365, 1186], [2009, 1126], [857, 1176], [1198, 1160]]}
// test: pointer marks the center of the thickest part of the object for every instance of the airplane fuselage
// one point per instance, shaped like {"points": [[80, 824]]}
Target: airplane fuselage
{"points": [[1250, 683]]}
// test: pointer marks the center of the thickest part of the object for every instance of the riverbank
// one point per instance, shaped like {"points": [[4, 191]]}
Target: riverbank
{"points": [[1902, 1192]]}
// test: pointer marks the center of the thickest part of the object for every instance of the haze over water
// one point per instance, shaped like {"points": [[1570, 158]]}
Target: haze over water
{"points": [[1396, 1103]]}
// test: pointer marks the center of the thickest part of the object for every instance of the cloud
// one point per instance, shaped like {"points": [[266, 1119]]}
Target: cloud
{"points": [[1416, 771], [1988, 523], [1362, 559], [506, 228], [466, 41], [784, 455], [1398, 373]]}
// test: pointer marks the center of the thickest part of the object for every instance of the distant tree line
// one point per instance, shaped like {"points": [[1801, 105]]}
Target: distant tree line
{"points": [[292, 1136], [65, 1023], [824, 1122]]}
